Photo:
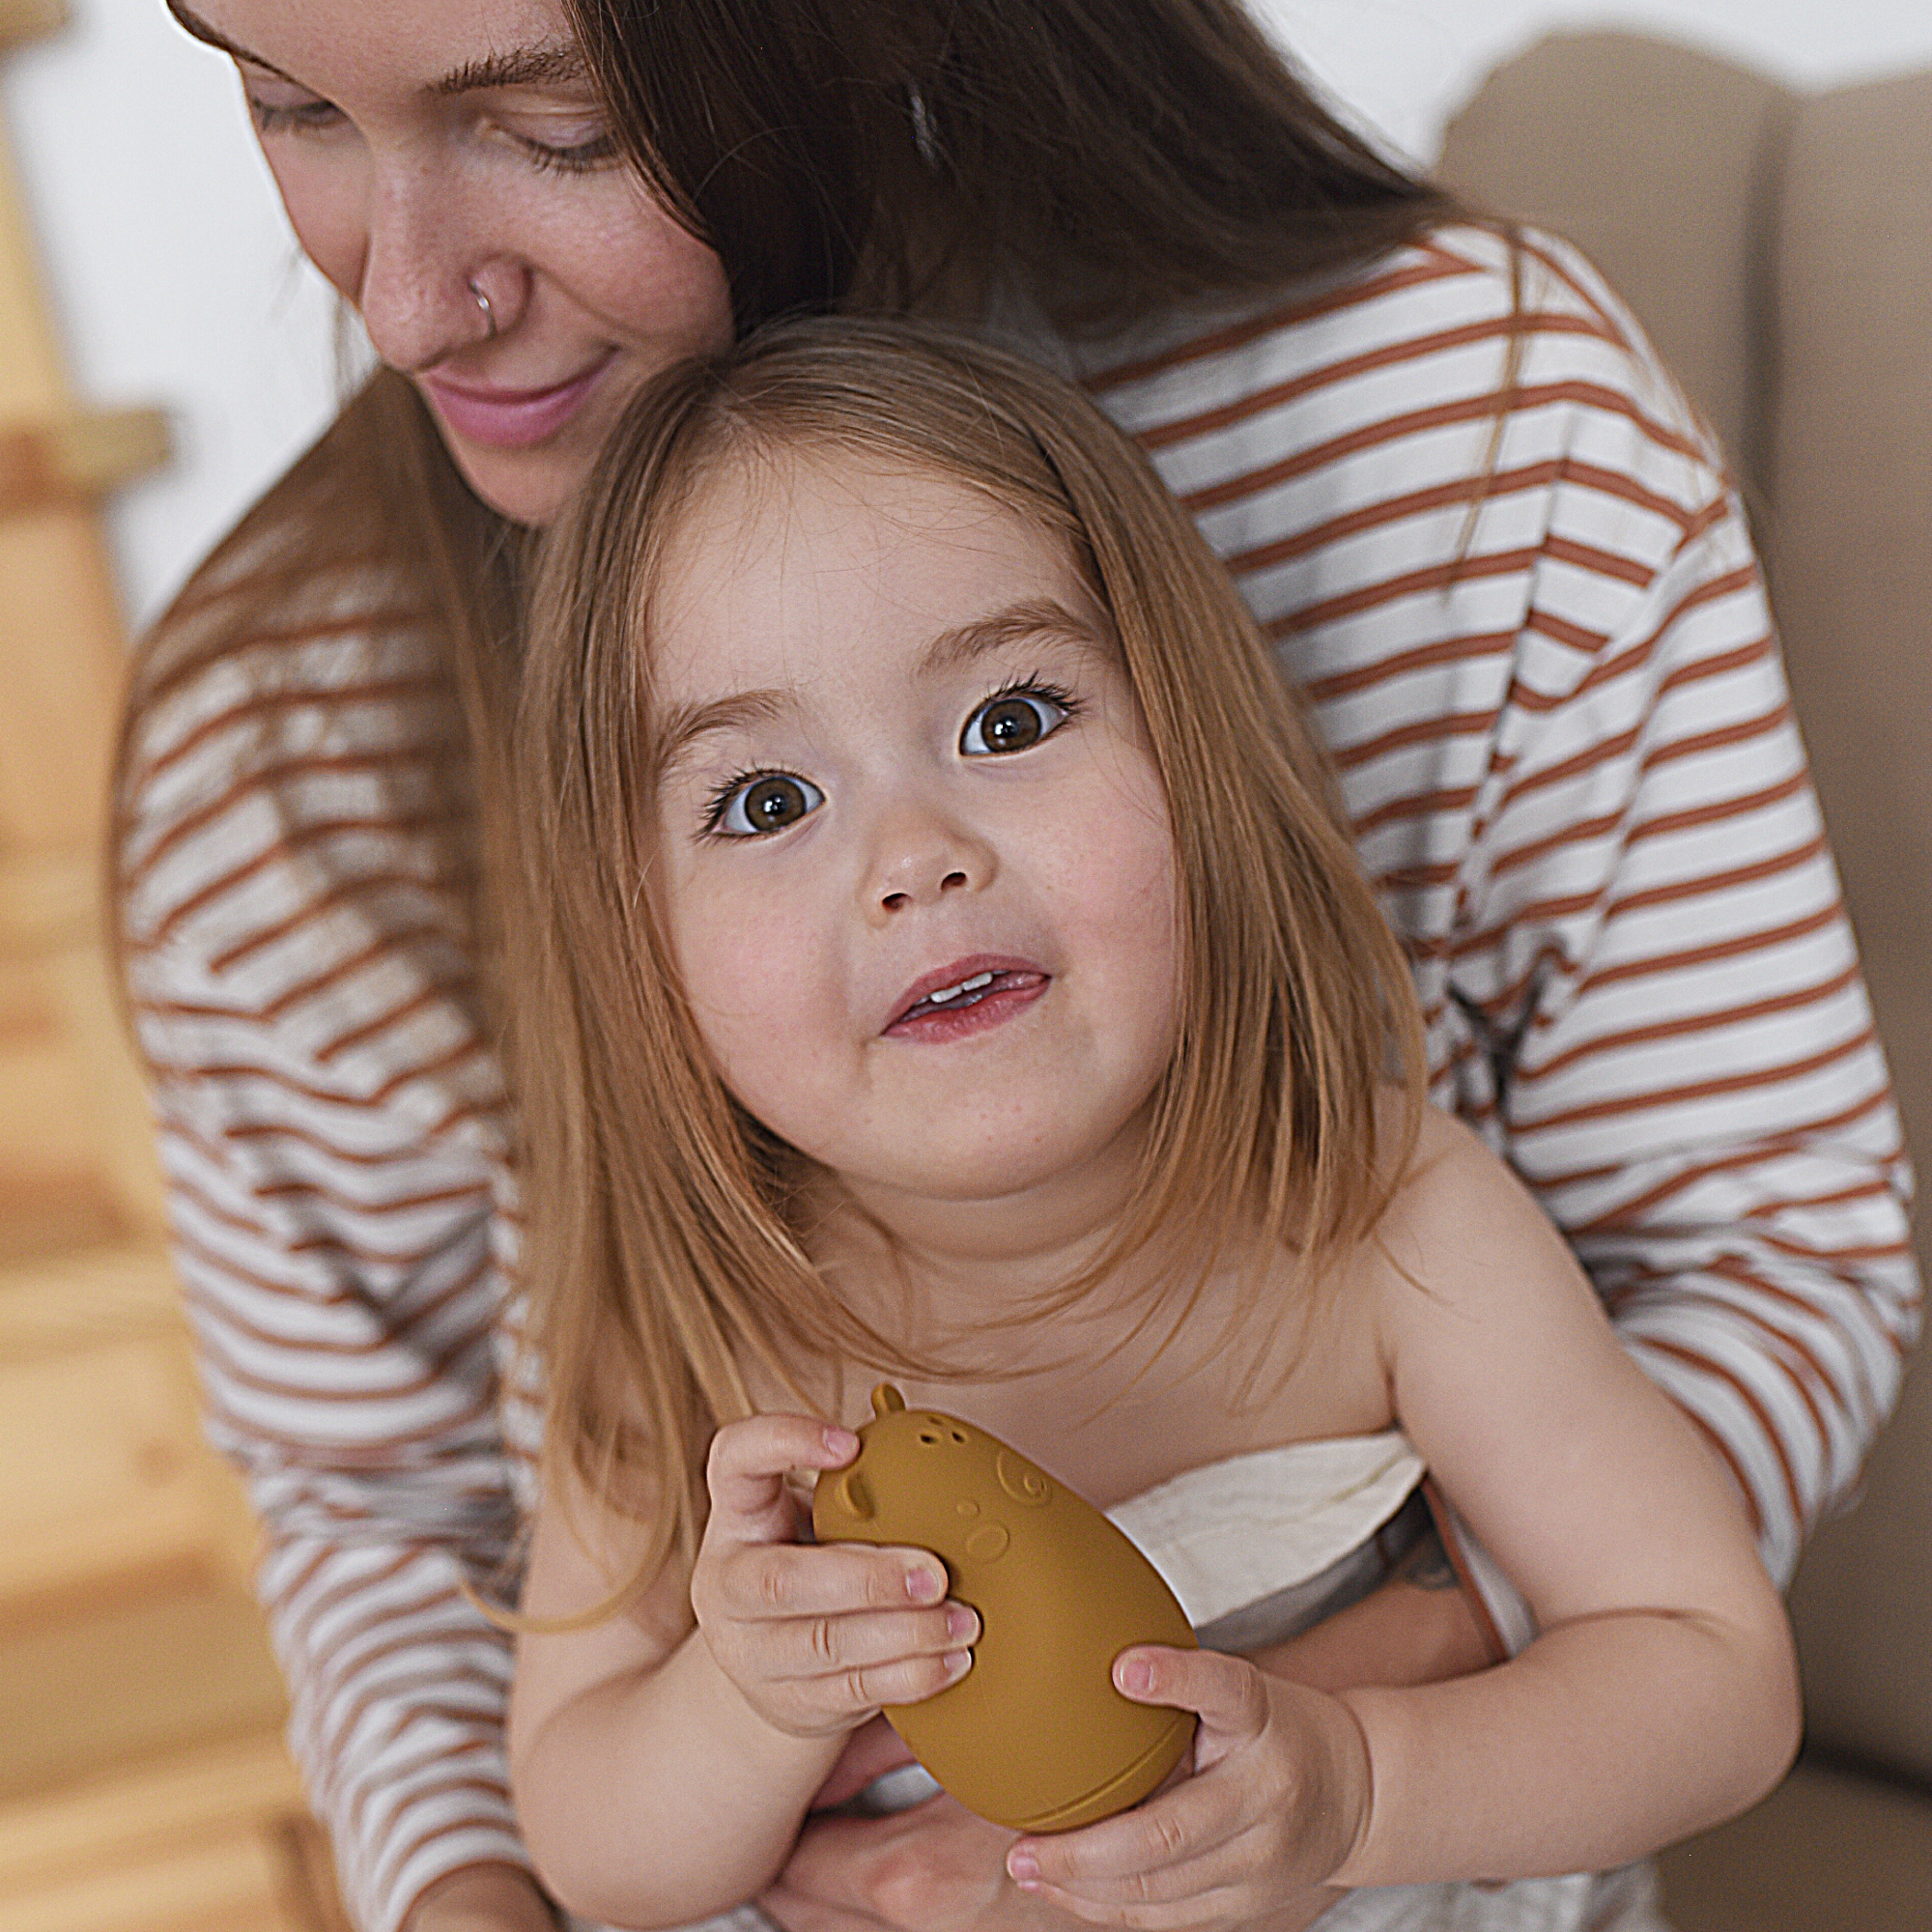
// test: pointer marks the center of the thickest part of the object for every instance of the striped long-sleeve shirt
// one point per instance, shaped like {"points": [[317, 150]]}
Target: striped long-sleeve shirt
{"points": [[1521, 600]]}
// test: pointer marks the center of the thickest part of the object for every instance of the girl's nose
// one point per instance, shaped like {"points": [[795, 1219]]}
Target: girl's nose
{"points": [[921, 860]]}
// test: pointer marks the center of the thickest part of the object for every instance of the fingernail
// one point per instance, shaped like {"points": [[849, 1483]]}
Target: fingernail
{"points": [[842, 1442], [923, 1587], [1136, 1673], [1023, 1869], [958, 1664], [960, 1622]]}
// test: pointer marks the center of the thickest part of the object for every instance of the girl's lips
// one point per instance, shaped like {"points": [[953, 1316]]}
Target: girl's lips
{"points": [[509, 419], [984, 992]]}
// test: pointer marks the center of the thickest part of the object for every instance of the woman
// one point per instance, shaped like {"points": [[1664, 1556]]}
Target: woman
{"points": [[1491, 541]]}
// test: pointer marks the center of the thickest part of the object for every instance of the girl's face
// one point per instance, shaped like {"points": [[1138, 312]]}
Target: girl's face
{"points": [[423, 146], [915, 862]]}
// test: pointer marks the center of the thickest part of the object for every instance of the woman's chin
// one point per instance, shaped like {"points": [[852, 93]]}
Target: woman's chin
{"points": [[525, 486]]}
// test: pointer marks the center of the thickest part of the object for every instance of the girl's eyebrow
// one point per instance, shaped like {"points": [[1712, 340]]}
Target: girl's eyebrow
{"points": [[1016, 624], [684, 724], [545, 63]]}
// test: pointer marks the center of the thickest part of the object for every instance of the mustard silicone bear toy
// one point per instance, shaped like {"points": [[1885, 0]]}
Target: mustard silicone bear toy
{"points": [[1034, 1737]]}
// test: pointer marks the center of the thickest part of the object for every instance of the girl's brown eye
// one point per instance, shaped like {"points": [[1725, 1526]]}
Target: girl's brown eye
{"points": [[1012, 721], [767, 803]]}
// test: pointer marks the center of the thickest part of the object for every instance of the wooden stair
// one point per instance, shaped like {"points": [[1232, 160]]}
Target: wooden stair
{"points": [[144, 1786]]}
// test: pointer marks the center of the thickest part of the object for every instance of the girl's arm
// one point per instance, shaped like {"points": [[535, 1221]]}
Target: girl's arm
{"points": [[1660, 1696], [662, 1765]]}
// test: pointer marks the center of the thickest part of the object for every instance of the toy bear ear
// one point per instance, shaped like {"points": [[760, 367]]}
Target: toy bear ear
{"points": [[855, 1496], [887, 1399]]}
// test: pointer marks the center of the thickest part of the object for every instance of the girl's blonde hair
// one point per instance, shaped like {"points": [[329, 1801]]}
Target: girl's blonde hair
{"points": [[664, 1250]]}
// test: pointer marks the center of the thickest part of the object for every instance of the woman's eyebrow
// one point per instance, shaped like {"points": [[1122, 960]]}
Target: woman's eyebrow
{"points": [[212, 36], [543, 64]]}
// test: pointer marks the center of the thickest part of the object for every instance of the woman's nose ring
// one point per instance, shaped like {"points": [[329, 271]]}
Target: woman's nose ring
{"points": [[488, 313]]}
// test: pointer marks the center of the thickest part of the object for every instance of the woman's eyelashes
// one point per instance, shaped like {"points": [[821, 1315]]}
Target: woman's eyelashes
{"points": [[316, 116], [1016, 717], [299, 117]]}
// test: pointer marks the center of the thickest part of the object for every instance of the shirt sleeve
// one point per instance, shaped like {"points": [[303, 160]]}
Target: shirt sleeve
{"points": [[331, 1137], [1662, 1023], [1502, 559], [1640, 978]]}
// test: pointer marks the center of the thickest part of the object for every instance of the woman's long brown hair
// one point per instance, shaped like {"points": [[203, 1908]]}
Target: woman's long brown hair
{"points": [[1108, 159], [666, 1254]]}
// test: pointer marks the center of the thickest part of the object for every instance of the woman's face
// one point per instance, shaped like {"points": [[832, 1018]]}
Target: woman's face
{"points": [[914, 853], [448, 166]]}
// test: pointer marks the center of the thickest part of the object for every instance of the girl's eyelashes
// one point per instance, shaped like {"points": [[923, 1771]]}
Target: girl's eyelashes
{"points": [[750, 805], [755, 802], [1016, 717]]}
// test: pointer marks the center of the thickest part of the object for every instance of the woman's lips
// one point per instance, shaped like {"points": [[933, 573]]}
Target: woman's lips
{"points": [[967, 997], [509, 419]]}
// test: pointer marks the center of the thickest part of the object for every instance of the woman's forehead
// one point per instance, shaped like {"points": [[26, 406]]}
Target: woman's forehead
{"points": [[441, 49]]}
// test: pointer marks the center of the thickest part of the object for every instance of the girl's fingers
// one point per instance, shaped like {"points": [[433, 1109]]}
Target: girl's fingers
{"points": [[823, 1580], [1195, 1903], [1226, 1693], [808, 1647], [1166, 1848], [747, 1468]]}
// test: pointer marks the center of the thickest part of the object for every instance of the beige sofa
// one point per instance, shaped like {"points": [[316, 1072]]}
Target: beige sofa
{"points": [[1778, 247]]}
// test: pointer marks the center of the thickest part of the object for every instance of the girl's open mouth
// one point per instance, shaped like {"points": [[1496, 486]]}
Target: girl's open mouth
{"points": [[968, 1002]]}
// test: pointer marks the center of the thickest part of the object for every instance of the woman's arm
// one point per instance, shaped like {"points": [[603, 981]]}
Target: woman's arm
{"points": [[330, 1128], [1506, 566]]}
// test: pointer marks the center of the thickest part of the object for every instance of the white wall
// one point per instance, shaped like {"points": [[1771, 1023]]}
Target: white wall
{"points": [[176, 280]]}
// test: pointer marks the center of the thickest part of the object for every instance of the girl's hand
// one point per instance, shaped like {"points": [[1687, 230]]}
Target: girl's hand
{"points": [[815, 1639], [1278, 1796]]}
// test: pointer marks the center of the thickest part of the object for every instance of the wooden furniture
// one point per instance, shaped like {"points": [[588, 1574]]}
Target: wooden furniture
{"points": [[144, 1786]]}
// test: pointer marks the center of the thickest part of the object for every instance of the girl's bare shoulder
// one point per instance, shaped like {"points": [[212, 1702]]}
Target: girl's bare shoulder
{"points": [[1460, 1228]]}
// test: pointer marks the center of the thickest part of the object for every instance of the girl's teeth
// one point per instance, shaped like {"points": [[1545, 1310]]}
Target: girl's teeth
{"points": [[971, 985]]}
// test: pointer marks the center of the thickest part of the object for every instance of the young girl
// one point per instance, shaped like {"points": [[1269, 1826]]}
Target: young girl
{"points": [[940, 958]]}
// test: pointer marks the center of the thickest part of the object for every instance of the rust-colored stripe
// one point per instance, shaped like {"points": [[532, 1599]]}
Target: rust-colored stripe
{"points": [[331, 699], [1368, 361], [434, 995], [1716, 949], [1748, 1396], [1461, 649], [1690, 1023], [1478, 408], [316, 832], [1423, 731], [1793, 1140], [1290, 315], [277, 639], [1703, 1090], [1430, 578], [368, 763], [346, 894]]}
